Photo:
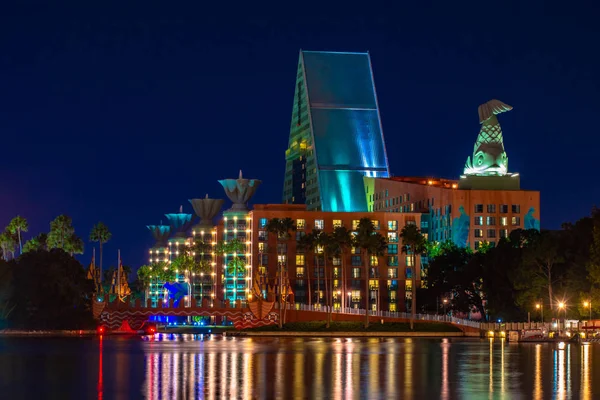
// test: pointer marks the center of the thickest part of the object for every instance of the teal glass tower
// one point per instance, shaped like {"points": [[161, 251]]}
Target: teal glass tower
{"points": [[335, 136]]}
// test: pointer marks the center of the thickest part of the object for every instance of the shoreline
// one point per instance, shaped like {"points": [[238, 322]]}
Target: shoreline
{"points": [[57, 333], [348, 334]]}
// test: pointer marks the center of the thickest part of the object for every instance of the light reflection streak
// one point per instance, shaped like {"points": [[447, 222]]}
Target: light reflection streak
{"points": [[560, 376], [155, 375], [223, 364], [348, 390], [373, 372], [586, 388], [299, 375], [209, 389], [502, 375], [318, 373], [165, 374], [408, 368], [233, 384], [175, 375], [491, 386], [279, 393], [247, 375], [391, 367], [445, 360], [538, 391], [337, 374], [100, 372]]}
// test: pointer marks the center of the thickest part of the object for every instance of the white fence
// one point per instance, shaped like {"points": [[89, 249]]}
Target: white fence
{"points": [[388, 314]]}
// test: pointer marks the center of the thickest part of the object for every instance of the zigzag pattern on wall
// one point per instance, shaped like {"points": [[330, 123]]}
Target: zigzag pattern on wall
{"points": [[113, 319]]}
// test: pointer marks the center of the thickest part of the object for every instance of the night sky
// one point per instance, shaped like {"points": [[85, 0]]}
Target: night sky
{"points": [[122, 114]]}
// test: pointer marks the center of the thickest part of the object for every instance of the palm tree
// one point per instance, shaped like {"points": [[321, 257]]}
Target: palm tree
{"points": [[61, 230], [74, 245], [373, 244], [306, 243], [7, 244], [322, 242], [100, 234], [39, 242], [144, 274], [282, 228], [413, 243], [342, 240], [17, 225]]}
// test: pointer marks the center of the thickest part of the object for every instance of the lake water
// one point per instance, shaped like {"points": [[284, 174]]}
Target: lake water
{"points": [[214, 367]]}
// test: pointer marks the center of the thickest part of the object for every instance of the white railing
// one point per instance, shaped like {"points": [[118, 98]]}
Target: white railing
{"points": [[387, 314]]}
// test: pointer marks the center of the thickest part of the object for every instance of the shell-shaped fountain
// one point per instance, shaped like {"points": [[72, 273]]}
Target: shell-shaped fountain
{"points": [[206, 209], [240, 191], [180, 223], [160, 233]]}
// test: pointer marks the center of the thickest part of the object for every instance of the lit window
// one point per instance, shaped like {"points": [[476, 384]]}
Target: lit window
{"points": [[503, 221], [478, 220], [375, 224], [478, 233], [490, 221], [300, 224], [409, 261], [374, 261], [503, 233], [337, 223], [515, 221], [392, 237], [262, 223], [319, 224], [299, 272], [355, 273], [392, 261], [392, 225], [299, 259]]}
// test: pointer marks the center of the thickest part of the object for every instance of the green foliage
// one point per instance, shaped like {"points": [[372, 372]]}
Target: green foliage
{"points": [[50, 291], [17, 226], [39, 242], [100, 233], [7, 245], [62, 236]]}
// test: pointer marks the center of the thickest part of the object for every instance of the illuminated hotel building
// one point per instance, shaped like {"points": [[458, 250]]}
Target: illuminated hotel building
{"points": [[484, 205], [390, 276], [336, 136]]}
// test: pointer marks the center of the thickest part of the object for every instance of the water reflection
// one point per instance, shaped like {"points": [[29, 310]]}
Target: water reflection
{"points": [[213, 367]]}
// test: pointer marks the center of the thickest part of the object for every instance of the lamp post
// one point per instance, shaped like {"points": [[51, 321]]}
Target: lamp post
{"points": [[588, 304], [445, 302], [563, 306], [540, 306]]}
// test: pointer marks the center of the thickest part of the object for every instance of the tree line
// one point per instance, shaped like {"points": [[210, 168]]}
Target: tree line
{"points": [[44, 286], [554, 273]]}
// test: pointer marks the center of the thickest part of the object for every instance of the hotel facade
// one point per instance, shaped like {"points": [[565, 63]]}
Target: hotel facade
{"points": [[336, 172]]}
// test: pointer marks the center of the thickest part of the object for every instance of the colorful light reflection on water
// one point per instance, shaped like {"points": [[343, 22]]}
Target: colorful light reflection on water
{"points": [[214, 367]]}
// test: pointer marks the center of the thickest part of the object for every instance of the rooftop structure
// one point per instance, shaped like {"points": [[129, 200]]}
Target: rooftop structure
{"points": [[336, 136]]}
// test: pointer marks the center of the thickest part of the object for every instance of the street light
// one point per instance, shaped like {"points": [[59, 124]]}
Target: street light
{"points": [[588, 304], [445, 301], [563, 306], [539, 306]]}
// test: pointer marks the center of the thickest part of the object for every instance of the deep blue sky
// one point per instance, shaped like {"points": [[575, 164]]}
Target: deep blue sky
{"points": [[123, 114]]}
